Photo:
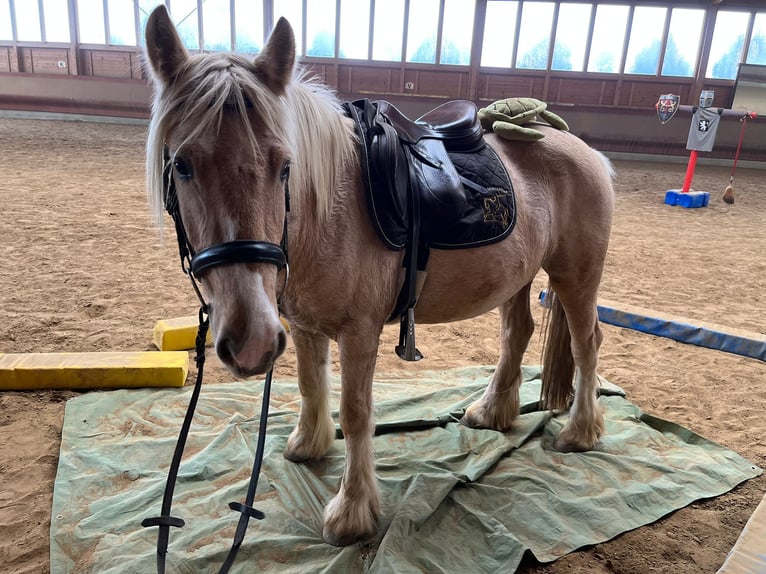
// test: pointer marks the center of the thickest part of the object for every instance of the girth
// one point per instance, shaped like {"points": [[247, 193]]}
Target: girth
{"points": [[432, 182]]}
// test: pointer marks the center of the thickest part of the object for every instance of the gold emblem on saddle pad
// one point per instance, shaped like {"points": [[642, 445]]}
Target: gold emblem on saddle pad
{"points": [[495, 211]]}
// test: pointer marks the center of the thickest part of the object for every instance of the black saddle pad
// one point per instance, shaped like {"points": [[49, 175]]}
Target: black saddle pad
{"points": [[488, 213]]}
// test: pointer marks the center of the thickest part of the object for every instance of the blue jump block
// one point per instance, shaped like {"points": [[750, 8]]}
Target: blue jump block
{"points": [[671, 197], [689, 200], [679, 329]]}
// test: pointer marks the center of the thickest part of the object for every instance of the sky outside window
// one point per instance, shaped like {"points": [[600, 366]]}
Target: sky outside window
{"points": [[6, 32], [28, 21], [90, 20], [571, 37], [756, 53], [683, 42], [727, 45], [122, 24], [354, 29], [608, 38], [499, 31], [216, 22], [56, 16], [249, 26], [535, 35], [645, 40], [320, 28], [422, 24], [388, 30], [457, 32]]}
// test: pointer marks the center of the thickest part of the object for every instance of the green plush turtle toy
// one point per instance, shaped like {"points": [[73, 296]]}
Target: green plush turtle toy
{"points": [[507, 117]]}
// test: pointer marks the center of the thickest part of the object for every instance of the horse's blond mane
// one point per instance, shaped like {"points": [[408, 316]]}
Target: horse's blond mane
{"points": [[307, 120]]}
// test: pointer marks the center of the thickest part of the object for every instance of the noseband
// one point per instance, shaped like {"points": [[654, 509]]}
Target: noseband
{"points": [[195, 265]]}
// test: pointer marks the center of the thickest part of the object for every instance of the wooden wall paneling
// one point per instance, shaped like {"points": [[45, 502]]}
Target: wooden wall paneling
{"points": [[511, 85], [13, 56], [25, 60], [109, 64], [86, 62], [584, 91], [327, 72], [136, 65], [5, 59], [446, 84], [46, 60], [374, 79]]}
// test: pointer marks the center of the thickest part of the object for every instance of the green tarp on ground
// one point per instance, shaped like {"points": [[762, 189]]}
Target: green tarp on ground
{"points": [[453, 498]]}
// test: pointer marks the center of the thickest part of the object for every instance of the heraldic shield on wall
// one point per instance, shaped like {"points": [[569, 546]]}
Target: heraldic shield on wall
{"points": [[667, 106]]}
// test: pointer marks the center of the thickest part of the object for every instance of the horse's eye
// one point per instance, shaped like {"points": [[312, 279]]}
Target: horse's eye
{"points": [[182, 168], [285, 171]]}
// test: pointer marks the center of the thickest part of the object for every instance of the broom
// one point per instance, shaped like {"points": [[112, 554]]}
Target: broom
{"points": [[728, 194]]}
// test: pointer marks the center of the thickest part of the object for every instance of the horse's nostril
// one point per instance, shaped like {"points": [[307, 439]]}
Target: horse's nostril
{"points": [[225, 348]]}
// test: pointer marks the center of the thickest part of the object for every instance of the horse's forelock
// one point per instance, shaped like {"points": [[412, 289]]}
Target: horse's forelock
{"points": [[306, 121]]}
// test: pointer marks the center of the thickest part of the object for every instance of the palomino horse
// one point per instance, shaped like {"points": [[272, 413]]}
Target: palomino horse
{"points": [[232, 127]]}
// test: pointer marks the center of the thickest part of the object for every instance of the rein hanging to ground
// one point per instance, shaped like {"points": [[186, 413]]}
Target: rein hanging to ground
{"points": [[194, 265]]}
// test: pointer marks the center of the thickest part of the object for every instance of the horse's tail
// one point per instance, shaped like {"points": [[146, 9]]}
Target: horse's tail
{"points": [[558, 362]]}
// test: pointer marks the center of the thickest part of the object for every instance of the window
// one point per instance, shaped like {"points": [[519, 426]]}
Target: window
{"points": [[571, 37], [320, 28], [28, 22], [756, 52], [726, 48], [645, 40], [388, 30], [145, 7], [499, 34], [608, 37], [185, 17], [354, 29], [90, 21], [56, 17], [249, 26], [683, 42], [6, 32], [292, 10], [216, 25], [457, 32], [422, 24], [535, 35], [122, 22]]}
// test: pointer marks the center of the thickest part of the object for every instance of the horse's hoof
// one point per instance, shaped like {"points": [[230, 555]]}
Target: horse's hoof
{"points": [[567, 446], [477, 416], [345, 539]]}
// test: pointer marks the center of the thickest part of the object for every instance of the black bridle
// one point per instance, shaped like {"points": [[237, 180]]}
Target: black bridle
{"points": [[195, 265]]}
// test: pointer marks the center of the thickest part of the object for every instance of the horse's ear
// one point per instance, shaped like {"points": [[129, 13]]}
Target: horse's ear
{"points": [[274, 65], [164, 47]]}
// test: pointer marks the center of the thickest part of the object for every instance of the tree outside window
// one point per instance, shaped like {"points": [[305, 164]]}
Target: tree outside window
{"points": [[645, 40], [499, 34], [535, 35], [727, 45], [607, 39], [571, 37], [756, 52], [683, 42]]}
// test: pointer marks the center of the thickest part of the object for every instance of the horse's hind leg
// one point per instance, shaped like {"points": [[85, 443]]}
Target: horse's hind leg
{"points": [[353, 514], [499, 405], [315, 430], [586, 421]]}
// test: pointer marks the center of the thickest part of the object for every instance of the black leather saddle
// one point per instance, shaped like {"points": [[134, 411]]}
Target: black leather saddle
{"points": [[430, 182]]}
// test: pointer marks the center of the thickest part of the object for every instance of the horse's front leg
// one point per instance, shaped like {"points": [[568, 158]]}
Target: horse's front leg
{"points": [[353, 514], [315, 430]]}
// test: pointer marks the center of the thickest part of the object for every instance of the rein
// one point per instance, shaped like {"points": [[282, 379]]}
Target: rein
{"points": [[194, 265]]}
